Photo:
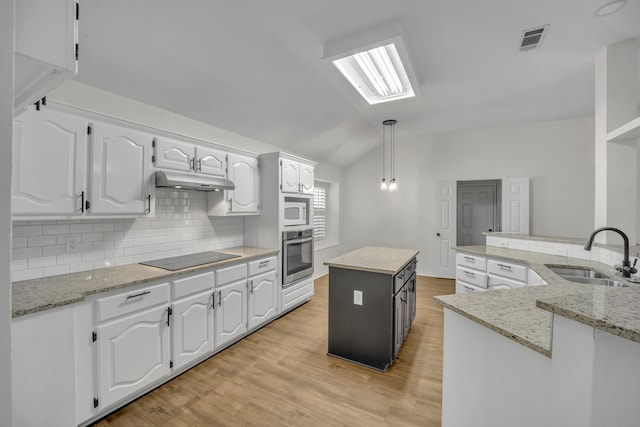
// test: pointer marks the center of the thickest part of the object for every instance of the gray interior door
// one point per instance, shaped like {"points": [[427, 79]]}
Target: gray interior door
{"points": [[478, 211]]}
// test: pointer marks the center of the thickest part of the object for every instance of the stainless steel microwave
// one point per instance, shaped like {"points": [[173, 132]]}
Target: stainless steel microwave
{"points": [[295, 213]]}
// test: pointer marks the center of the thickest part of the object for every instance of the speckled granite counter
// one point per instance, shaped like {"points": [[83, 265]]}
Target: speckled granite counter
{"points": [[525, 314], [374, 259], [31, 296]]}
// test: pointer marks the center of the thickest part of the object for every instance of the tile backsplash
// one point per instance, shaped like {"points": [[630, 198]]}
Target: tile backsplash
{"points": [[181, 226]]}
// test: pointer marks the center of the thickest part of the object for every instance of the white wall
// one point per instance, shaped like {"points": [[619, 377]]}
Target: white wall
{"points": [[6, 136], [558, 156]]}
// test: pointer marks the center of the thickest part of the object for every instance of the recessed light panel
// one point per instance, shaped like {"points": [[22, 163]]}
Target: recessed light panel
{"points": [[377, 74]]}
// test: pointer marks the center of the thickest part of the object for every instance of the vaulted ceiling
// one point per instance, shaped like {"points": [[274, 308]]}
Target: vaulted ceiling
{"points": [[255, 67]]}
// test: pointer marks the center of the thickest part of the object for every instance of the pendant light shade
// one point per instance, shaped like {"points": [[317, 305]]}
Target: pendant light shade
{"points": [[388, 139]]}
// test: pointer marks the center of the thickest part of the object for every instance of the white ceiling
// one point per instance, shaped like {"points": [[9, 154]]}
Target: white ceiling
{"points": [[255, 67]]}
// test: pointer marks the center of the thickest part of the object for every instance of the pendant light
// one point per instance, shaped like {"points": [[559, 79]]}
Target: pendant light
{"points": [[388, 138]]}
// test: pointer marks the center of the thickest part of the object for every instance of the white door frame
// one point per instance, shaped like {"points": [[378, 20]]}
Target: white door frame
{"points": [[515, 217]]}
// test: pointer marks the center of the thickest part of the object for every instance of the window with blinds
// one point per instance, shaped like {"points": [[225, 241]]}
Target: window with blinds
{"points": [[319, 212]]}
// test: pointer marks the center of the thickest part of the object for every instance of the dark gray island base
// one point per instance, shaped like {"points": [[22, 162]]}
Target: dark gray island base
{"points": [[371, 304]]}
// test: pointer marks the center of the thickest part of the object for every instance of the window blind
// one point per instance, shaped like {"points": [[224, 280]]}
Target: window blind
{"points": [[319, 212]]}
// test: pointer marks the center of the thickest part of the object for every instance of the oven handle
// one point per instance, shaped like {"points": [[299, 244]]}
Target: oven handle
{"points": [[299, 240]]}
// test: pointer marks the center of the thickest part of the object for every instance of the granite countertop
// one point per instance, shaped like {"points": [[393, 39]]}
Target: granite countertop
{"points": [[525, 314], [374, 259], [31, 296]]}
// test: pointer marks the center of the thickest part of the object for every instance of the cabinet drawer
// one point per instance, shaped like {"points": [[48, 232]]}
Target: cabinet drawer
{"points": [[472, 276], [231, 274], [471, 261], [463, 288], [129, 302], [262, 265], [193, 284], [507, 269], [293, 295], [497, 282]]}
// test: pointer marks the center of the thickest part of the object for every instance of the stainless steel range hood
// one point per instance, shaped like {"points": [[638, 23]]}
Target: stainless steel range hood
{"points": [[188, 181]]}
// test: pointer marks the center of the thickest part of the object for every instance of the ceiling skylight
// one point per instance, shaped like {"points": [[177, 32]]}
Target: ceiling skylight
{"points": [[377, 74]]}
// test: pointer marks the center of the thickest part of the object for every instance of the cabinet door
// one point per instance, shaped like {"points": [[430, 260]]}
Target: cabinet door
{"points": [[398, 322], [49, 163], [172, 154], [306, 179], [132, 353], [211, 162], [192, 328], [231, 312], [412, 299], [121, 172], [290, 171], [243, 171], [263, 298], [46, 35]]}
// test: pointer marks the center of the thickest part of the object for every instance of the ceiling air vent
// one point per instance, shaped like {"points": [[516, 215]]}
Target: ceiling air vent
{"points": [[532, 38]]}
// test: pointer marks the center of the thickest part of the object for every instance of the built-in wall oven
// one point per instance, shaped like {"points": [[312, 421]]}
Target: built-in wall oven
{"points": [[297, 255]]}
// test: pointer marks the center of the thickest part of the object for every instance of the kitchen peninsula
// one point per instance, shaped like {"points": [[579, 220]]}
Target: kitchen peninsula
{"points": [[564, 353], [372, 295]]}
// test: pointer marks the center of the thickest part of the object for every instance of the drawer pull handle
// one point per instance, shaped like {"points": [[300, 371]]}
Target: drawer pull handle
{"points": [[138, 295], [263, 263], [504, 267], [470, 274], [469, 259]]}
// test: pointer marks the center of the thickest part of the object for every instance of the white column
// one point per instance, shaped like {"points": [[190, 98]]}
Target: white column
{"points": [[6, 136], [616, 163]]}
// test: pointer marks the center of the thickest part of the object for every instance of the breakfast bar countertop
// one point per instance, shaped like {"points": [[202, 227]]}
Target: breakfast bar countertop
{"points": [[525, 314], [31, 296]]}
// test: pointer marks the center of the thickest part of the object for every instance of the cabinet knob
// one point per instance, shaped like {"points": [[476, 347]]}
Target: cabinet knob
{"points": [[438, 234]]}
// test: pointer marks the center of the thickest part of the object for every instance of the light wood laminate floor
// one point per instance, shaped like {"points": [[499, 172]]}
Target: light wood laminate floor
{"points": [[281, 375]]}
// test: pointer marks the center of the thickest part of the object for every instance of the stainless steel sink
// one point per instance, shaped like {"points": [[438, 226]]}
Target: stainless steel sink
{"points": [[585, 275]]}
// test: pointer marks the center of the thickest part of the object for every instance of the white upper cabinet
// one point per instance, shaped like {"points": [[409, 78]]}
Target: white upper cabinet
{"points": [[245, 198], [172, 154], [296, 177], [186, 157], [46, 47], [49, 163], [243, 172], [121, 178], [211, 161]]}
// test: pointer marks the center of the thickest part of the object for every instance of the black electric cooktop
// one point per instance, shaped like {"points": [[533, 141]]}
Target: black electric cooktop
{"points": [[186, 261]]}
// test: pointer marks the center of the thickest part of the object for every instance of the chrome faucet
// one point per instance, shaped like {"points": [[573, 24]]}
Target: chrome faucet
{"points": [[626, 268]]}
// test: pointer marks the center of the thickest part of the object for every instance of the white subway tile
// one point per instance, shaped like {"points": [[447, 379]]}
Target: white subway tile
{"points": [[55, 229], [27, 230], [25, 253], [34, 241], [55, 271], [17, 276], [92, 237], [68, 259], [92, 256], [19, 242], [124, 260], [48, 261], [54, 250], [103, 227], [80, 228], [19, 264], [80, 266]]}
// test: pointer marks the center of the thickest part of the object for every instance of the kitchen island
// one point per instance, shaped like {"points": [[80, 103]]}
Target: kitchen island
{"points": [[371, 304], [561, 354]]}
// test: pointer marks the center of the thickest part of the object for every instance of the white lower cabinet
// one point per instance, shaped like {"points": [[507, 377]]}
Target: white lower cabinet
{"points": [[133, 352], [231, 312], [192, 328], [44, 369], [111, 348], [263, 298]]}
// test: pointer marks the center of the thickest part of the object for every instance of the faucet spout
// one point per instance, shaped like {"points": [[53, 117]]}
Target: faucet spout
{"points": [[626, 268]]}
